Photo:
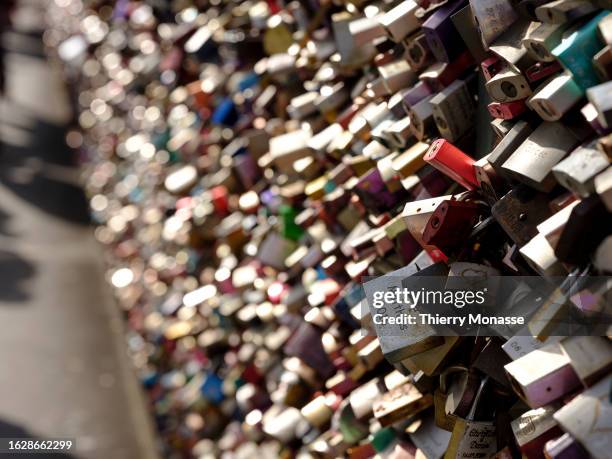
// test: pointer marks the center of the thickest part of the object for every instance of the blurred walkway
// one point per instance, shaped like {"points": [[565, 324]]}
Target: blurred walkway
{"points": [[63, 370]]}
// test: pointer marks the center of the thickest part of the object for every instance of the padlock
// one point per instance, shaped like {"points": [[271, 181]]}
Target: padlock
{"points": [[430, 440], [411, 160], [421, 118], [501, 127], [600, 97], [345, 117], [543, 39], [587, 418], [508, 85], [471, 436], [465, 23], [534, 428], [565, 446], [560, 11], [577, 172], [603, 29], [441, 74], [396, 104], [521, 344], [589, 114], [509, 45], [541, 257], [371, 355], [590, 356], [362, 399], [552, 227], [381, 134], [374, 193], [508, 110], [399, 403], [454, 399], [541, 70], [358, 126], [453, 162], [551, 318], [542, 376], [396, 75], [491, 66], [350, 53], [453, 109], [492, 18], [416, 51], [400, 133], [432, 361], [450, 224], [400, 341], [534, 159], [576, 52], [365, 30], [444, 40], [306, 345], [339, 144], [509, 143], [555, 98], [416, 214], [401, 20], [414, 95]]}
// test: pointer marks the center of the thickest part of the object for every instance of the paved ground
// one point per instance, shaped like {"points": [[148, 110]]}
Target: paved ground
{"points": [[63, 369]]}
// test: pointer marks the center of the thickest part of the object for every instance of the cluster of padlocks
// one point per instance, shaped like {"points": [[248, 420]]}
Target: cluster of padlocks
{"points": [[252, 165]]}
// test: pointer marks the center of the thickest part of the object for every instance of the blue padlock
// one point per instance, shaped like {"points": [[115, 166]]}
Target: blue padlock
{"points": [[576, 52]]}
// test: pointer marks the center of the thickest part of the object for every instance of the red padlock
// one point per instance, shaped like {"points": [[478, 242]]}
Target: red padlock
{"points": [[541, 70], [491, 67], [450, 224], [507, 110], [451, 161]]}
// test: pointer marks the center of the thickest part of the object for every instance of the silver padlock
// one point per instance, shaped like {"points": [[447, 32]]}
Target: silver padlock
{"points": [[453, 110], [534, 159], [577, 172], [560, 11], [508, 85], [554, 99], [541, 41], [401, 20]]}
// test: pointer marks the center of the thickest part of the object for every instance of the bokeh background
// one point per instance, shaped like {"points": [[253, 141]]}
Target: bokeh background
{"points": [[64, 370]]}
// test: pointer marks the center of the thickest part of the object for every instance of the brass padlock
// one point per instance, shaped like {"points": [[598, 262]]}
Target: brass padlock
{"points": [[471, 438], [452, 400]]}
